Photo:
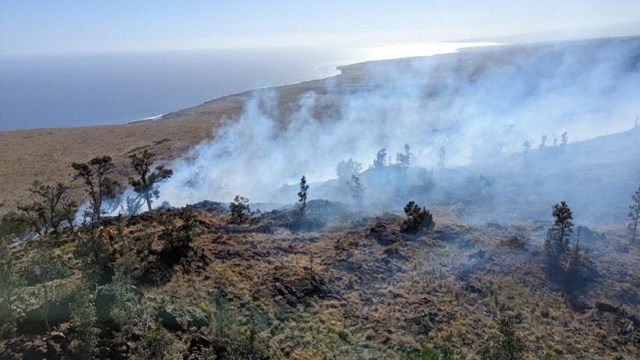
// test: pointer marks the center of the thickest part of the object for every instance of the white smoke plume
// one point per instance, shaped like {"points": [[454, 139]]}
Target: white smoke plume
{"points": [[479, 104]]}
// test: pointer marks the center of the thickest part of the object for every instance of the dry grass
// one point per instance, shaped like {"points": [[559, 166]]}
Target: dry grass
{"points": [[46, 154], [381, 300]]}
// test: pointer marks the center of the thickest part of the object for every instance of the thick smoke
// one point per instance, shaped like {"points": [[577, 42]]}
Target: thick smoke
{"points": [[480, 105]]}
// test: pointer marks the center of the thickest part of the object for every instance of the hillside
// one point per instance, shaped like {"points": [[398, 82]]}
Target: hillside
{"points": [[347, 272], [595, 176], [400, 89], [46, 154]]}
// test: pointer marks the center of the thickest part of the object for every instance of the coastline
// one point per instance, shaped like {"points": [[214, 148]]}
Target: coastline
{"points": [[307, 70], [46, 154]]}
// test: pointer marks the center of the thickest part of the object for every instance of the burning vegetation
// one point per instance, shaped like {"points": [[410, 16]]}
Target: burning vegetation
{"points": [[503, 254], [322, 279]]}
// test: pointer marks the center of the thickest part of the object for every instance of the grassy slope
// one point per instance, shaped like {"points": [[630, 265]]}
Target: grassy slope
{"points": [[46, 154], [380, 298]]}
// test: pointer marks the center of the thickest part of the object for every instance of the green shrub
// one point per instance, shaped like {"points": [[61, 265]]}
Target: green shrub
{"points": [[158, 344], [83, 319], [178, 238], [418, 219]]}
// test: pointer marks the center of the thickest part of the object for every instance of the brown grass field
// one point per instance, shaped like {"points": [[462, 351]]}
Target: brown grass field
{"points": [[46, 154]]}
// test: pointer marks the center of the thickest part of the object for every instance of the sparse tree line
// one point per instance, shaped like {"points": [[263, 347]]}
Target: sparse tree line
{"points": [[241, 211], [51, 207], [348, 171], [564, 139], [110, 261], [404, 158], [104, 304], [107, 259]]}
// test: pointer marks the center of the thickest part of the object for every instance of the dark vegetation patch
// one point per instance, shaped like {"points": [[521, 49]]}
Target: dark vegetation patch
{"points": [[185, 281]]}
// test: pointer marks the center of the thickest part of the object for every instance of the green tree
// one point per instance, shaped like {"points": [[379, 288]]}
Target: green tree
{"points": [[356, 189], [302, 194], [235, 338], [577, 266], [132, 205], [14, 226], [441, 157], [380, 160], [148, 177], [96, 254], [180, 237], [418, 219], [558, 236], [126, 308], [51, 206], [100, 185], [9, 284], [543, 142], [405, 158], [564, 139], [240, 210], [634, 215]]}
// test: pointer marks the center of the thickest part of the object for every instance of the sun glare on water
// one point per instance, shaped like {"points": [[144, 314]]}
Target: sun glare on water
{"points": [[416, 49]]}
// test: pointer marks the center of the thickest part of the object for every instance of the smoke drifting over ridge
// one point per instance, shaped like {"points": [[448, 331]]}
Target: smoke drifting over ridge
{"points": [[480, 105]]}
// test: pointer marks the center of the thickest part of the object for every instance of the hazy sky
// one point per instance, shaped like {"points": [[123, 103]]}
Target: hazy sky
{"points": [[68, 26]]}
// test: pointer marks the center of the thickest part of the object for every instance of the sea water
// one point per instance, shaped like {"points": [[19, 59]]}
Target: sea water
{"points": [[100, 89]]}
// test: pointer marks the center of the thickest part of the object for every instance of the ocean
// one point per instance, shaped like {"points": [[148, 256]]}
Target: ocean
{"points": [[41, 91]]}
